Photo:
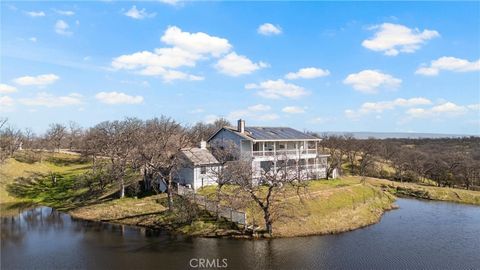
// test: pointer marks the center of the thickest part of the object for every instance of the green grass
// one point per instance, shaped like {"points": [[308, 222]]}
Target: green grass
{"points": [[23, 183]]}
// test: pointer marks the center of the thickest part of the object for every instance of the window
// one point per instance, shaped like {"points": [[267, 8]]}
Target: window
{"points": [[281, 146], [203, 170], [266, 165]]}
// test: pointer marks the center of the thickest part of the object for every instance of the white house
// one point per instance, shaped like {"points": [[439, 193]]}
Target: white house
{"points": [[267, 148], [270, 147], [198, 167]]}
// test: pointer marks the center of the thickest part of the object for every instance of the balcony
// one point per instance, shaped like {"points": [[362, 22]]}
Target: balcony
{"points": [[282, 152]]}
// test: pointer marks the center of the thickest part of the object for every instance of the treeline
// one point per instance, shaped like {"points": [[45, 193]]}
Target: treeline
{"points": [[121, 151], [453, 162]]}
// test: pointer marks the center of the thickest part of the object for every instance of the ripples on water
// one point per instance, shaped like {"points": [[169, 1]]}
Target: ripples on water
{"points": [[427, 235]]}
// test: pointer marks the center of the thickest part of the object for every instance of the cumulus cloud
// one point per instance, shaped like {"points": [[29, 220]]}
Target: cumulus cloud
{"points": [[171, 2], [197, 43], [187, 49], [293, 109], [39, 80], [6, 103], [307, 73], [444, 109], [138, 14], [268, 29], [6, 89], [369, 81], [234, 65], [277, 88], [35, 13], [258, 112], [62, 28], [48, 100], [448, 63], [392, 39], [379, 107], [64, 12], [118, 98]]}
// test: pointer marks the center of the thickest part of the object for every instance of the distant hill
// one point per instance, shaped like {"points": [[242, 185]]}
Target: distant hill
{"points": [[384, 135]]}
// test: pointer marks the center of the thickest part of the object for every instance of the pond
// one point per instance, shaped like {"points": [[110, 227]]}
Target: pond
{"points": [[420, 234]]}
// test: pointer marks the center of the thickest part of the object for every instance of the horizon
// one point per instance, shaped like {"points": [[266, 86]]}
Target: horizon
{"points": [[403, 68]]}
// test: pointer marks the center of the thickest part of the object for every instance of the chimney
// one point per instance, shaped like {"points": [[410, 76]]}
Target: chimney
{"points": [[241, 126], [203, 144]]}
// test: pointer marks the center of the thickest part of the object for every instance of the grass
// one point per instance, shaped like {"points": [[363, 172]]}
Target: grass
{"points": [[425, 191], [31, 183], [327, 206]]}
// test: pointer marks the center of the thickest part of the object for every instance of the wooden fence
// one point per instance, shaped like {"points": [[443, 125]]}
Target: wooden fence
{"points": [[212, 206]]}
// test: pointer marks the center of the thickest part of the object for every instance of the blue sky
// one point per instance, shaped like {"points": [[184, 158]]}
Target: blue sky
{"points": [[347, 66]]}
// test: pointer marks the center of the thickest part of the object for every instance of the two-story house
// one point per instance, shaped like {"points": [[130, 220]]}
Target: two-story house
{"points": [[270, 148]]}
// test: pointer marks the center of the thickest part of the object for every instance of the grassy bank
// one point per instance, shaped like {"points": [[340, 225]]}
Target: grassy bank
{"points": [[324, 207], [424, 191], [34, 180]]}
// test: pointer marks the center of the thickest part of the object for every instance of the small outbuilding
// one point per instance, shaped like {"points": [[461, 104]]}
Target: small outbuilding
{"points": [[198, 167]]}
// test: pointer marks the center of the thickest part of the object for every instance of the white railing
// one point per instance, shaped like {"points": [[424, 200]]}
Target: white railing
{"points": [[280, 152]]}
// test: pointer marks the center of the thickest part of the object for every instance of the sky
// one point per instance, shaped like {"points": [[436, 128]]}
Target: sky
{"points": [[317, 66]]}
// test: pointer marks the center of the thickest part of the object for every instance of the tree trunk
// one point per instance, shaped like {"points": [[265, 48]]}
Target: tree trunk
{"points": [[169, 193], [122, 189], [268, 221]]}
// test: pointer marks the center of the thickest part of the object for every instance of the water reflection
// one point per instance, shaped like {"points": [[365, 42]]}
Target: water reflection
{"points": [[421, 234]]}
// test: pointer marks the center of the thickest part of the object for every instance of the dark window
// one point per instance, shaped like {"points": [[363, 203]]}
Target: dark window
{"points": [[203, 170]]}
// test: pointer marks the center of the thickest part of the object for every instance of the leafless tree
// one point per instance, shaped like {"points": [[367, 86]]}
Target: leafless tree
{"points": [[266, 189], [10, 140], [162, 140], [55, 135]]}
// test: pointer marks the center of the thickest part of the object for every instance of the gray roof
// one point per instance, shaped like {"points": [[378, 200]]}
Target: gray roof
{"points": [[199, 156], [273, 133]]}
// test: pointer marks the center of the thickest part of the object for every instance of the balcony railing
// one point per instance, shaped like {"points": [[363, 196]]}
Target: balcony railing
{"points": [[280, 152]]}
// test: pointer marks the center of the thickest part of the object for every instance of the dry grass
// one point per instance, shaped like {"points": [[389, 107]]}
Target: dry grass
{"points": [[426, 191], [141, 212], [326, 206]]}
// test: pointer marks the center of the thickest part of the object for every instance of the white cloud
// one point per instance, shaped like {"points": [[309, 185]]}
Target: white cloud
{"points": [[35, 13], [369, 81], [293, 109], [188, 49], [379, 107], [448, 63], [259, 112], [268, 29], [39, 80], [138, 14], [64, 12], [6, 89], [444, 109], [307, 73], [61, 28], [391, 39], [197, 43], [6, 101], [171, 2], [236, 65], [118, 98], [33, 39], [475, 107], [49, 100], [277, 89]]}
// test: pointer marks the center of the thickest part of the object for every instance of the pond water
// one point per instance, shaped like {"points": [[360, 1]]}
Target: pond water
{"points": [[421, 234]]}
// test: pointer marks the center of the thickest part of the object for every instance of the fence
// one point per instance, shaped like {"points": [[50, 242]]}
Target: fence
{"points": [[212, 206]]}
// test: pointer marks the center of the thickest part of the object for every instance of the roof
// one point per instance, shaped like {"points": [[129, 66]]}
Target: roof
{"points": [[199, 156], [271, 134]]}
